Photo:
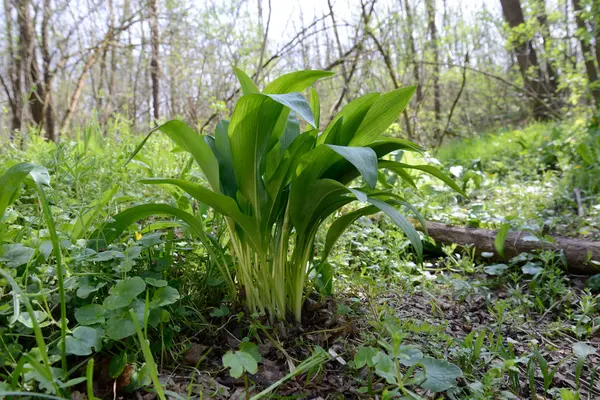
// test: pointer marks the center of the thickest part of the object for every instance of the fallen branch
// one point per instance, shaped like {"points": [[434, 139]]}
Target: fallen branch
{"points": [[578, 252]]}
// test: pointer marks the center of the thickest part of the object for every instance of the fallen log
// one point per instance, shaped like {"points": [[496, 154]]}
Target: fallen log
{"points": [[578, 252]]}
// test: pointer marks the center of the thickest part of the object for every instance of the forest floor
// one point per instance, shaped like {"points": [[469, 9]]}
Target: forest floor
{"points": [[456, 326]]}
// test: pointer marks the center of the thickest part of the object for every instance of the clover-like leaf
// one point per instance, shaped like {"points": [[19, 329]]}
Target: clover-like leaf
{"points": [[16, 255], [409, 355], [222, 311], [238, 362], [120, 326], [90, 314], [164, 296], [248, 347], [439, 375], [582, 350], [531, 268], [385, 367], [364, 356], [123, 293], [496, 269], [83, 340]]}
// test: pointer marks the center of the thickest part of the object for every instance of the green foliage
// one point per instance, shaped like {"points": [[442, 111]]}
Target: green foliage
{"points": [[276, 186]]}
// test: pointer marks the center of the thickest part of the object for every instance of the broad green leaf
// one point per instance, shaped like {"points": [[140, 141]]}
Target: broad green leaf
{"points": [[385, 367], [248, 86], [296, 102], [433, 171], [583, 350], [593, 283], [339, 226], [251, 126], [223, 153], [186, 138], [496, 269], [409, 355], [295, 81], [164, 296], [156, 282], [120, 326], [363, 158], [238, 362], [384, 111], [315, 106], [439, 375], [352, 115], [364, 356], [90, 314], [501, 238], [124, 292], [84, 341], [402, 223], [222, 204], [324, 279], [10, 183], [531, 268], [16, 255], [248, 347]]}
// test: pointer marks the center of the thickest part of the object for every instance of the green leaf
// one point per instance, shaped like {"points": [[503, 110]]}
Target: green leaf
{"points": [[409, 355], [164, 296], [156, 282], [83, 223], [16, 255], [186, 138], [250, 348], [296, 102], [384, 111], [496, 269], [402, 223], [364, 356], [84, 341], [248, 86], [385, 367], [117, 364], [90, 314], [531, 268], [238, 362], [120, 326], [223, 153], [315, 106], [439, 375], [10, 183], [433, 171], [295, 81], [501, 238], [363, 158], [123, 293], [593, 283], [342, 128], [583, 350], [222, 311], [339, 226], [324, 279]]}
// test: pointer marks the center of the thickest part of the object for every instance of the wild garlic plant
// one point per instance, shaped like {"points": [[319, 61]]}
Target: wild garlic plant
{"points": [[276, 185]]}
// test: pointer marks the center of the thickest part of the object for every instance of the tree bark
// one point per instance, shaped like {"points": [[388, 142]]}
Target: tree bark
{"points": [[14, 68], [430, 4], [413, 52], [588, 58], [527, 59], [578, 252], [50, 124], [31, 70], [154, 68]]}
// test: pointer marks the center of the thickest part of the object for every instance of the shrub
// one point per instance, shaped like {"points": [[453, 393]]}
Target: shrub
{"points": [[276, 186]]}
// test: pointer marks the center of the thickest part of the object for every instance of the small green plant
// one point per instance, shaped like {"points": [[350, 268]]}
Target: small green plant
{"points": [[276, 186]]}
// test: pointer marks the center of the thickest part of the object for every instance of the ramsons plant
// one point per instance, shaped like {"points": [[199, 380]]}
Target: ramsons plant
{"points": [[276, 185]]}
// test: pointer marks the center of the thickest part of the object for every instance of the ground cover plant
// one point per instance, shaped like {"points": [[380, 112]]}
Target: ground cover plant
{"points": [[155, 306]]}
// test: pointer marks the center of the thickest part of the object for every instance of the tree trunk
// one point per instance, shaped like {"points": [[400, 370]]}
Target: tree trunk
{"points": [[578, 252], [50, 124], [527, 60], [154, 69], [14, 67], [31, 70], [586, 50], [413, 52], [430, 4]]}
